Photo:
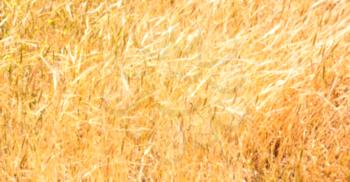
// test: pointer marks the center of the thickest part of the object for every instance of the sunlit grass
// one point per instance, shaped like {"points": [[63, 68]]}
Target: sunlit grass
{"points": [[173, 90]]}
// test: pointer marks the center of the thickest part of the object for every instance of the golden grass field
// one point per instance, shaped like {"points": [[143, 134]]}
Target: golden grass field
{"points": [[175, 90]]}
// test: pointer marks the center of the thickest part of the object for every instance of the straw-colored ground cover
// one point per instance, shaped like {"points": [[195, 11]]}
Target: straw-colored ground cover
{"points": [[174, 90]]}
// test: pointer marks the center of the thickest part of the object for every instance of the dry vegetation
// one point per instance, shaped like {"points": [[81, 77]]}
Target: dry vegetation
{"points": [[236, 90]]}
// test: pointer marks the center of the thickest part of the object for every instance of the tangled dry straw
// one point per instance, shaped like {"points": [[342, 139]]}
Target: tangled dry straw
{"points": [[174, 90]]}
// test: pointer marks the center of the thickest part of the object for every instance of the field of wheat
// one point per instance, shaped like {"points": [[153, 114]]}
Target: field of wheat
{"points": [[174, 90]]}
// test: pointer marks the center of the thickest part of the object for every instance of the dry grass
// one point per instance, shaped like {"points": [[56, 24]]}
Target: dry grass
{"points": [[174, 90]]}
